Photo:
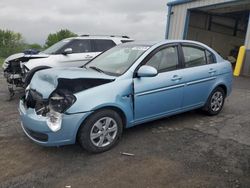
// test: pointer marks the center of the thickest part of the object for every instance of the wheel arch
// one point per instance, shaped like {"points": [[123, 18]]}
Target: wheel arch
{"points": [[119, 111], [221, 85], [114, 108], [224, 87], [31, 73]]}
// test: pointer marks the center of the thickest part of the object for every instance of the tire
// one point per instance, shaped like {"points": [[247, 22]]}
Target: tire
{"points": [[101, 131], [31, 74], [215, 102]]}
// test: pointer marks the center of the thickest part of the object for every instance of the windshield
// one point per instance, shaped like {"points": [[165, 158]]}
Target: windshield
{"points": [[117, 60], [57, 46]]}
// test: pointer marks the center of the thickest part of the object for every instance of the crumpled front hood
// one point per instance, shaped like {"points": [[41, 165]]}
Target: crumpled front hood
{"points": [[14, 56], [72, 79], [40, 55], [22, 57], [25, 57]]}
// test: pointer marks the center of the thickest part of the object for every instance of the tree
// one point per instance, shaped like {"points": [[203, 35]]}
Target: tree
{"points": [[34, 46], [10, 43], [56, 37]]}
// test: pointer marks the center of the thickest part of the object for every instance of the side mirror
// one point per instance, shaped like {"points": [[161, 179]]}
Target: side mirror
{"points": [[147, 71], [67, 51]]}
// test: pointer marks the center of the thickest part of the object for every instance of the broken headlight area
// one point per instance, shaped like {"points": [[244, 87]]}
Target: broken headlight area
{"points": [[33, 99], [13, 67], [61, 100], [54, 120], [52, 108]]}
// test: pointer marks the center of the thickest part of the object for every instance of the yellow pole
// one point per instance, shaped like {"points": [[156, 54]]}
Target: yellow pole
{"points": [[239, 61]]}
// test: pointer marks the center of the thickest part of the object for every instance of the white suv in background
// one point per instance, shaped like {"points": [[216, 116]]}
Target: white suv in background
{"points": [[76, 51], [70, 52]]}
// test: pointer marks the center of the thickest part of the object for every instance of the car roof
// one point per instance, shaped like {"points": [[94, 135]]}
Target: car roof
{"points": [[162, 42], [101, 37], [155, 44], [181, 41], [142, 43]]}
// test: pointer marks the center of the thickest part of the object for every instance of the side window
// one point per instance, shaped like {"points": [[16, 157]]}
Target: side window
{"points": [[101, 45], [79, 46], [193, 56], [210, 57], [165, 59]]}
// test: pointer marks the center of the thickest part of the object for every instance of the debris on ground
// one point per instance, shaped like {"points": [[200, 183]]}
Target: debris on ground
{"points": [[127, 154]]}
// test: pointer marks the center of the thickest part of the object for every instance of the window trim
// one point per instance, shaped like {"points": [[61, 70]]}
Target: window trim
{"points": [[72, 41], [151, 54], [213, 56], [186, 44], [59, 51], [178, 59]]}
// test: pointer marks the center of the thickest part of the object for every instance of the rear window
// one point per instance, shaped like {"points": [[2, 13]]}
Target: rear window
{"points": [[194, 56], [100, 45]]}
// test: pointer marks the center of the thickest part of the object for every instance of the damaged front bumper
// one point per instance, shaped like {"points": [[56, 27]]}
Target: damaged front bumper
{"points": [[10, 77], [36, 128]]}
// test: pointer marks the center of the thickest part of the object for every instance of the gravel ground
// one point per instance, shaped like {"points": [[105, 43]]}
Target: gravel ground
{"points": [[186, 150]]}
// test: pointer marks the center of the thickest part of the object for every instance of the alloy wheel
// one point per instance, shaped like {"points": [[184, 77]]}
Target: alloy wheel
{"points": [[103, 132], [216, 101]]}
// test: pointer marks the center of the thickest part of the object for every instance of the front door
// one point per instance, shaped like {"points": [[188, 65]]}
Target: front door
{"points": [[81, 53], [160, 95]]}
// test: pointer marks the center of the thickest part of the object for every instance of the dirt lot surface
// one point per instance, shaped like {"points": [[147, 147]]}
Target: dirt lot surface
{"points": [[186, 150]]}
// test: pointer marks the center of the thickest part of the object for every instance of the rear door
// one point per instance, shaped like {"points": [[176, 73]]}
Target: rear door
{"points": [[162, 94], [199, 73]]}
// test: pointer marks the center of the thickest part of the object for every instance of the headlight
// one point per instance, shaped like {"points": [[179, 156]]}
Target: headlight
{"points": [[61, 100], [5, 65], [54, 120]]}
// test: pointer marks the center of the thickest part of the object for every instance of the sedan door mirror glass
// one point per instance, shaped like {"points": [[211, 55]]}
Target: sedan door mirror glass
{"points": [[67, 51], [147, 71]]}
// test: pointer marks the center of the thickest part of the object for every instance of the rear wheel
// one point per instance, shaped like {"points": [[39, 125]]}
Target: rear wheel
{"points": [[101, 131], [215, 101]]}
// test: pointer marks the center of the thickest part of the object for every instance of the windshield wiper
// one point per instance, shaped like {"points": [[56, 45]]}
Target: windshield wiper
{"points": [[97, 69]]}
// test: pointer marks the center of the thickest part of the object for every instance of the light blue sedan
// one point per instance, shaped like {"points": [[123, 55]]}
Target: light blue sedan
{"points": [[130, 84]]}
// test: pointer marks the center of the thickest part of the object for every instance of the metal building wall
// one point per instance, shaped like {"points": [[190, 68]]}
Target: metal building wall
{"points": [[247, 40], [179, 16]]}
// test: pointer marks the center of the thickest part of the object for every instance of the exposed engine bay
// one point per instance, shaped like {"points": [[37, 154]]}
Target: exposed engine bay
{"points": [[15, 71], [61, 99]]}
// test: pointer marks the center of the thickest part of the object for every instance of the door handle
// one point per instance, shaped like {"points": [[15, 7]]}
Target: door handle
{"points": [[211, 71], [176, 77]]}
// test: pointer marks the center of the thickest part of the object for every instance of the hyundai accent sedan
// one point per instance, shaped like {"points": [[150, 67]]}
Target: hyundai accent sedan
{"points": [[130, 84]]}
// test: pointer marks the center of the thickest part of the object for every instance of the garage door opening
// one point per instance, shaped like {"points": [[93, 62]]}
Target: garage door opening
{"points": [[223, 29]]}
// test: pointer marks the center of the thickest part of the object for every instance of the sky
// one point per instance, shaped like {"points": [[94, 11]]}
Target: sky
{"points": [[35, 19]]}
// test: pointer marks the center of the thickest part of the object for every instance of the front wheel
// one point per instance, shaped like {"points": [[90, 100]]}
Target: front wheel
{"points": [[215, 102], [101, 131]]}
